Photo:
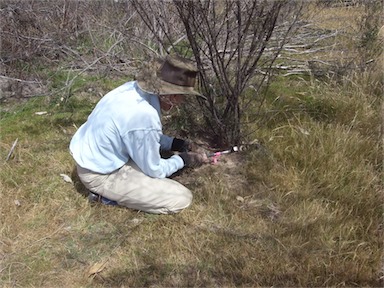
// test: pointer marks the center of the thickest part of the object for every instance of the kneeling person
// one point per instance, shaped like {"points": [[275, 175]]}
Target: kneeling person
{"points": [[117, 150]]}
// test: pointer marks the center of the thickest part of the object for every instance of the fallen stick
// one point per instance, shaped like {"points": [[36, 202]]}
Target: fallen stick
{"points": [[12, 148]]}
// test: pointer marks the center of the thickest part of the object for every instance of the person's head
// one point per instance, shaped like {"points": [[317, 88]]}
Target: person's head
{"points": [[172, 79]]}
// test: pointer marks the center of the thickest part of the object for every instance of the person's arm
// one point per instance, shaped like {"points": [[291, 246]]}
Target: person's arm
{"points": [[144, 149], [181, 145], [168, 143]]}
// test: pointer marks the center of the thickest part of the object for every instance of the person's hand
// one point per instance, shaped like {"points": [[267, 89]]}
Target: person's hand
{"points": [[181, 145], [193, 160]]}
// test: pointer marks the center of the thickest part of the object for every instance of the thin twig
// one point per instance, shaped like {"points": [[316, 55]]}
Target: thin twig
{"points": [[12, 148], [20, 80]]}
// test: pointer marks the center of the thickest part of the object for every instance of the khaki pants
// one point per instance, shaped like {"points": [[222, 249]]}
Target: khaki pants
{"points": [[130, 187]]}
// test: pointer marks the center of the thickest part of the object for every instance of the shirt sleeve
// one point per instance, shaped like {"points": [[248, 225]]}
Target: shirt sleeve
{"points": [[166, 142], [144, 149]]}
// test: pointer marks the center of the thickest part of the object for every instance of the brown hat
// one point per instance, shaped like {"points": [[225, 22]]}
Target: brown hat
{"points": [[173, 75]]}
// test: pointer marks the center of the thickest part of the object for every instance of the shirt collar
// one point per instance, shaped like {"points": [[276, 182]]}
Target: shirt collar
{"points": [[152, 99]]}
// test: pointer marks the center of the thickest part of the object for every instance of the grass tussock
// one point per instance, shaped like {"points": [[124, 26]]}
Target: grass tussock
{"points": [[302, 209]]}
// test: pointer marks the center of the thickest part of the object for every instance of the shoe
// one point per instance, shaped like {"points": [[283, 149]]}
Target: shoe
{"points": [[93, 197], [107, 201]]}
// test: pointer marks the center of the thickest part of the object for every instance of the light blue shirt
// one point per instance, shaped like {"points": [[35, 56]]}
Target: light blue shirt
{"points": [[124, 125]]}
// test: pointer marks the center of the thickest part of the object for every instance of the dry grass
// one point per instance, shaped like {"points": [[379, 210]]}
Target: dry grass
{"points": [[306, 210], [337, 18]]}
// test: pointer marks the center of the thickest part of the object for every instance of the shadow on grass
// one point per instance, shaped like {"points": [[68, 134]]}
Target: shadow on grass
{"points": [[222, 270], [79, 187], [173, 275]]}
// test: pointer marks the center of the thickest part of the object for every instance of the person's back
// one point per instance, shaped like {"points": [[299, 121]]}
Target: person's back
{"points": [[99, 143]]}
